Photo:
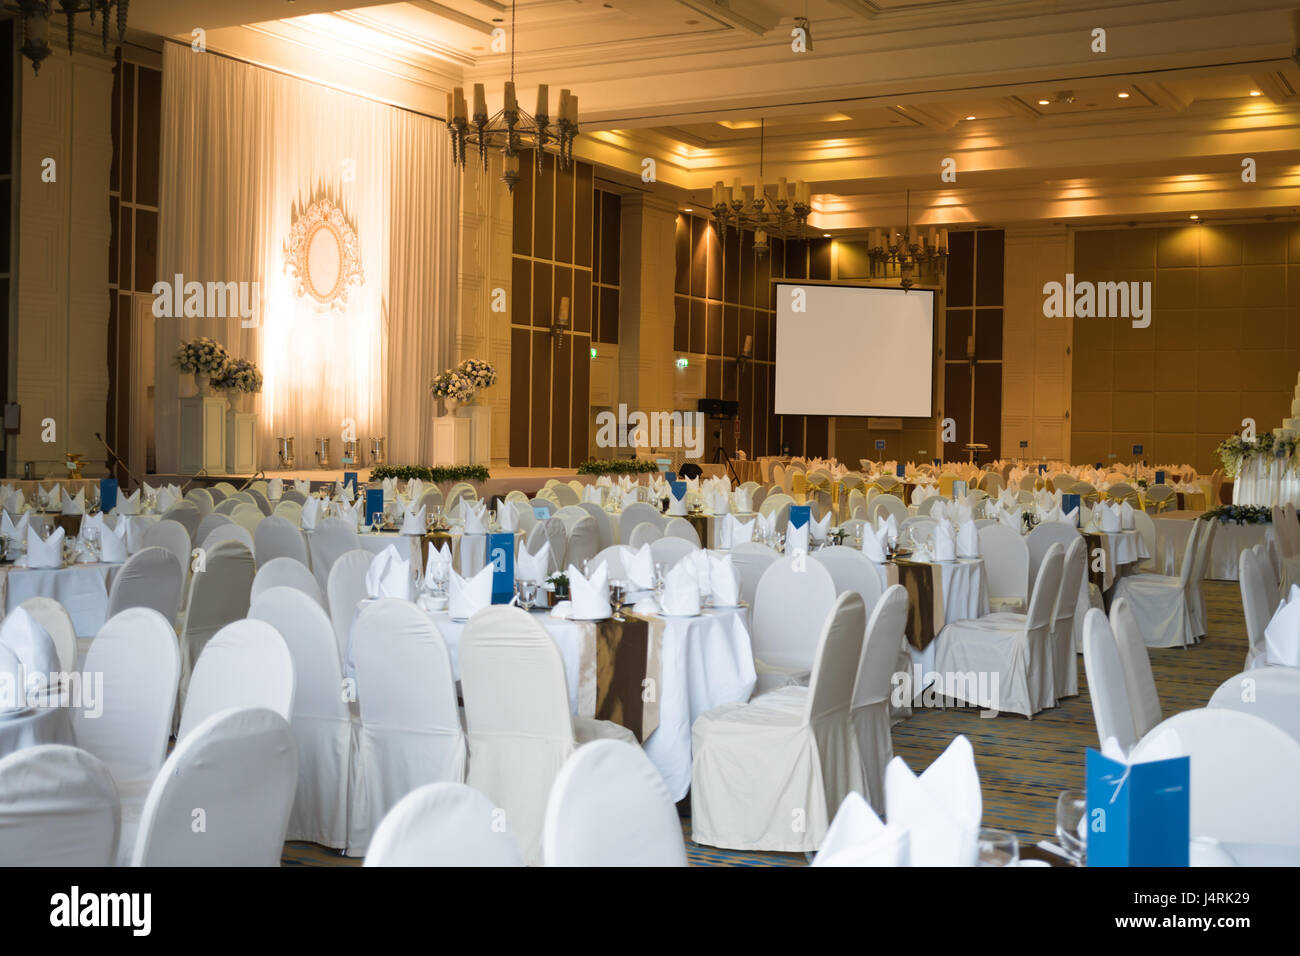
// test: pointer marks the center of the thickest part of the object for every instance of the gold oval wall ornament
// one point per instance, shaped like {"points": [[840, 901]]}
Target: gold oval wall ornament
{"points": [[324, 255]]}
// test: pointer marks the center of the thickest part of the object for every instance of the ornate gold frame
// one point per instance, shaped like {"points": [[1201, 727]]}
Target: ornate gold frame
{"points": [[324, 213]]}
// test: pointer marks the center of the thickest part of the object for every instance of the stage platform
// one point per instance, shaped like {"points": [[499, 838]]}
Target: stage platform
{"points": [[503, 480]]}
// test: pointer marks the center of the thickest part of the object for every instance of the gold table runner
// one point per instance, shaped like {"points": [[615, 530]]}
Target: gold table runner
{"points": [[924, 586], [700, 522], [627, 672]]}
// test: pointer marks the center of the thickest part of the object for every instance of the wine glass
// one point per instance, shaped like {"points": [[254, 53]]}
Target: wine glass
{"points": [[1071, 824], [998, 848], [528, 594], [376, 520]]}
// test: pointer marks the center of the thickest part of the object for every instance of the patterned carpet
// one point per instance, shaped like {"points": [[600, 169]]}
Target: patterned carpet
{"points": [[1023, 764]]}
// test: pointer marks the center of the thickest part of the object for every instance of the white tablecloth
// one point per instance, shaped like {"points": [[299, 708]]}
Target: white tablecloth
{"points": [[706, 661], [1122, 549], [1266, 482], [136, 525], [43, 725], [470, 550], [1229, 541], [82, 589]]}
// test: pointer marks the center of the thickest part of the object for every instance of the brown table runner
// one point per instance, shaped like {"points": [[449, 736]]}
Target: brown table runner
{"points": [[925, 616], [700, 522], [435, 539], [627, 673], [1096, 575]]}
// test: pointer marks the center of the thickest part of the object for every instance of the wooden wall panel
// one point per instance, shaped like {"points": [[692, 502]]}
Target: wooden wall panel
{"points": [[521, 396]]}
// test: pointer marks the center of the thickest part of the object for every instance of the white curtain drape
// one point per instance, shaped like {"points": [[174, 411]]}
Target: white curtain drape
{"points": [[243, 149]]}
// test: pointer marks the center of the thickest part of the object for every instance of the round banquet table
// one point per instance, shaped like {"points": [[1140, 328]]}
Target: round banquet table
{"points": [[40, 725], [1174, 527], [705, 662], [81, 588], [136, 525], [965, 595]]}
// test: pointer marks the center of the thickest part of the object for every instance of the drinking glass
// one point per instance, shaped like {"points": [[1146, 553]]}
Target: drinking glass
{"points": [[528, 594], [998, 848], [1071, 824]]}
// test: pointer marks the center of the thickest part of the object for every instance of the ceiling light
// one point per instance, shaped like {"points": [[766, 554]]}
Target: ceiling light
{"points": [[1255, 93], [970, 117], [783, 212], [1123, 96], [826, 235], [35, 16], [1193, 217], [688, 209], [1044, 102]]}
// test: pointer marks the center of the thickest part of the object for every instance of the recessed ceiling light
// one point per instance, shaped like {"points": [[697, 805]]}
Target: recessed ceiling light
{"points": [[1255, 93], [688, 209], [1044, 102], [1193, 217], [826, 235], [970, 117], [1123, 96]]}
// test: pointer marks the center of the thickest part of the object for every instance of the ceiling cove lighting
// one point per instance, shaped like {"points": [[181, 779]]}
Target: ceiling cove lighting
{"points": [[511, 129]]}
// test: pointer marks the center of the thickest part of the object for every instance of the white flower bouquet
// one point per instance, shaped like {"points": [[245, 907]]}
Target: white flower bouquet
{"points": [[239, 375], [202, 356], [452, 384], [482, 374]]}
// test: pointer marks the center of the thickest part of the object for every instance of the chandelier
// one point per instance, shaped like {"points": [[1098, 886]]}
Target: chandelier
{"points": [[511, 129], [909, 250], [35, 16], [783, 213]]}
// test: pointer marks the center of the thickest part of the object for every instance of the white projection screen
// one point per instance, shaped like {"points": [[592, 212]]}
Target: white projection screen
{"points": [[854, 350]]}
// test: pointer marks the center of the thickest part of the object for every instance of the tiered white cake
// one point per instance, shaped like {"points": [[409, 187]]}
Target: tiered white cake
{"points": [[1291, 426]]}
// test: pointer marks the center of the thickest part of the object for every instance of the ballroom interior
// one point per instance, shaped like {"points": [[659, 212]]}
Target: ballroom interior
{"points": [[892, 275]]}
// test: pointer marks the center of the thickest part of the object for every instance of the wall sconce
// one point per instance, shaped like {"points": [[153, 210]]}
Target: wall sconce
{"points": [[746, 353], [561, 323]]}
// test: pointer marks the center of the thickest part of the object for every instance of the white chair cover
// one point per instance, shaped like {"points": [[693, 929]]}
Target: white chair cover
{"points": [[681, 528], [218, 595], [1162, 603], [604, 524], [245, 664], [240, 767], [172, 536], [1269, 692], [1065, 664], [58, 807], [333, 537], [750, 561], [633, 515], [150, 578], [517, 716], [1006, 566], [564, 494], [1139, 682], [188, 516], [669, 551], [647, 532], [248, 517], [1106, 682], [278, 537], [410, 727], [790, 594], [767, 775], [286, 573], [201, 499], [328, 766], [882, 506], [347, 589], [1258, 600], [872, 690], [57, 623], [609, 807], [290, 511], [227, 532], [557, 533], [210, 523], [851, 570], [1042, 538], [583, 540], [1245, 773], [615, 559], [225, 508], [443, 824]]}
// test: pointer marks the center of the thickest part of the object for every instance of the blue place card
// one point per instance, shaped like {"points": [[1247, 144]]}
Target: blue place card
{"points": [[350, 478], [107, 494], [1137, 449], [1160, 477], [1070, 503], [670, 476], [541, 512], [880, 444], [501, 552], [800, 515], [900, 470], [678, 489], [1042, 469], [374, 503], [1024, 444], [937, 463], [1139, 814]]}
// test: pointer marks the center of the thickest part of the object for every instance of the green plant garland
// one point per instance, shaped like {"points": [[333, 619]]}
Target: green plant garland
{"points": [[439, 473], [1240, 514], [1236, 451], [617, 466]]}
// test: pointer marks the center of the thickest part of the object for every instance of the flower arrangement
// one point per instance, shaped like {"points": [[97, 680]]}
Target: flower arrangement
{"points": [[438, 474], [1240, 514], [202, 356], [452, 384], [617, 466], [1236, 451], [482, 374], [239, 375]]}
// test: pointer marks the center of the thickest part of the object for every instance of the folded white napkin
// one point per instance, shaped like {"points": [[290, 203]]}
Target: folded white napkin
{"points": [[15, 501], [857, 838], [474, 514], [723, 580], [439, 558], [940, 809], [677, 506], [310, 512], [44, 552], [348, 491], [945, 541], [875, 543], [130, 504], [1282, 635], [533, 567], [15, 531], [968, 540], [390, 488], [766, 524], [112, 541], [74, 504], [1012, 519], [466, 596], [302, 487], [629, 497], [640, 569], [589, 596], [890, 524], [604, 481], [720, 502], [413, 522], [168, 497], [507, 516], [796, 539], [51, 497], [35, 650], [733, 531], [681, 590], [592, 494], [922, 493], [1110, 519], [1126, 520], [414, 490], [389, 576], [700, 562], [275, 489]]}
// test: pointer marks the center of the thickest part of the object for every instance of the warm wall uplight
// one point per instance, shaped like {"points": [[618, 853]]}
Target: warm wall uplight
{"points": [[1255, 93]]}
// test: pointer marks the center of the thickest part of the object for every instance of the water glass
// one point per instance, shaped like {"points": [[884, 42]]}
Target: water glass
{"points": [[1071, 824], [528, 594], [998, 848]]}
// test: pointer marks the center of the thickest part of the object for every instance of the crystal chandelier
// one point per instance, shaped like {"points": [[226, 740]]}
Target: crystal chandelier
{"points": [[511, 129], [909, 250], [781, 212], [35, 16]]}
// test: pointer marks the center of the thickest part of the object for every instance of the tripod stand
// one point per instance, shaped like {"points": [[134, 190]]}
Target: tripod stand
{"points": [[720, 455]]}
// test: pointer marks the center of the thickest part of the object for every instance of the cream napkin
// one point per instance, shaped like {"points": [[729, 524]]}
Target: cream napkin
{"points": [[15, 502], [681, 595], [890, 524], [640, 569], [439, 558], [968, 540], [857, 838], [130, 504], [922, 493], [533, 567], [390, 488], [723, 580], [112, 541], [875, 544], [592, 494], [940, 809], [75, 504], [1012, 519], [507, 516], [302, 487], [310, 512], [466, 596], [766, 524], [1126, 520], [589, 596], [15, 531], [820, 529], [414, 490], [474, 514], [389, 576], [413, 522], [629, 497], [1282, 635], [700, 562], [44, 552], [52, 497], [945, 541], [720, 502], [348, 491], [734, 531], [275, 489], [168, 497], [1110, 519]]}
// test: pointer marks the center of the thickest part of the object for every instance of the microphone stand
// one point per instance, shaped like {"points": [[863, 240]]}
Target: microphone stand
{"points": [[117, 459]]}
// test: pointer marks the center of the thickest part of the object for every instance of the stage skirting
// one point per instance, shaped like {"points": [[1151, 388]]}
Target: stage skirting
{"points": [[1267, 483]]}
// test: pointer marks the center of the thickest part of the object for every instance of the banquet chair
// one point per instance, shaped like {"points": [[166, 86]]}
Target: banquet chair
{"points": [[429, 500], [1273, 574], [137, 654], [608, 807], [278, 537], [791, 592], [1146, 528], [856, 499], [260, 499], [58, 807], [443, 824], [582, 539], [1259, 598], [175, 538], [248, 517], [1164, 605], [921, 526], [1016, 647], [1160, 498], [245, 664], [289, 511], [225, 487], [775, 502], [615, 559], [328, 765], [241, 768], [200, 498], [785, 755], [679, 527], [927, 505], [209, 522], [1040, 540], [332, 538], [604, 525], [218, 595], [1006, 567], [851, 570], [549, 504], [227, 532], [286, 572], [647, 532], [1065, 666], [883, 649], [1107, 685], [293, 496], [345, 590], [36, 657], [150, 578], [750, 561], [882, 506], [54, 618], [756, 498], [225, 508], [1245, 773], [557, 534], [517, 717], [992, 483], [565, 495], [1139, 682], [633, 515], [1086, 492], [533, 541], [669, 550], [186, 514], [518, 496], [1268, 692]]}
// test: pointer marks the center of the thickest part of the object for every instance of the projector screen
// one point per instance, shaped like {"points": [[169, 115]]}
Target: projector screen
{"points": [[854, 350]]}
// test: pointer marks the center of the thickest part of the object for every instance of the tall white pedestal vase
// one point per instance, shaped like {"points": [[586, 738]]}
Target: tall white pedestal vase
{"points": [[451, 440], [241, 442], [203, 434], [480, 434]]}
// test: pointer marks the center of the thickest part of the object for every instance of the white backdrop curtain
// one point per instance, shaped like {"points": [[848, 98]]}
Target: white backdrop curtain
{"points": [[243, 148]]}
